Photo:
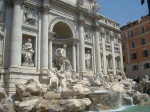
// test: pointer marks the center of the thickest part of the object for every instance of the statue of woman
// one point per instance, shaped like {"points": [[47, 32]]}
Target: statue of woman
{"points": [[88, 59], [27, 53]]}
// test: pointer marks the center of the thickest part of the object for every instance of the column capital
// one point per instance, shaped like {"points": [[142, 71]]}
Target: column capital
{"points": [[103, 32], [51, 38], [74, 43], [119, 37], [44, 8], [10, 3], [111, 35], [96, 27], [81, 21]]}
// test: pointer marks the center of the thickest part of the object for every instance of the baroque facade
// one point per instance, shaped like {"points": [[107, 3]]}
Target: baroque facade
{"points": [[31, 31]]}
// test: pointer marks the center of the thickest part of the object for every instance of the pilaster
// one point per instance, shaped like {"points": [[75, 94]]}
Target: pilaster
{"points": [[81, 43], [113, 52], [103, 34], [120, 50], [97, 48]]}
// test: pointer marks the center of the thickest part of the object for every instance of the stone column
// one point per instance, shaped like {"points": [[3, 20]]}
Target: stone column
{"points": [[44, 38], [104, 50], [7, 36], [81, 45], [74, 56], [97, 50], [50, 52], [120, 49], [16, 36], [113, 52]]}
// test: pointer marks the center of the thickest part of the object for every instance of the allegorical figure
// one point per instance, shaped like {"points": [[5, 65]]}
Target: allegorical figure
{"points": [[88, 59], [63, 60], [27, 53]]}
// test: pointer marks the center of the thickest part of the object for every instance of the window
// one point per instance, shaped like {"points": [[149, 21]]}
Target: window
{"points": [[132, 33], [109, 62], [145, 53], [134, 56], [146, 65], [125, 69], [143, 41], [133, 44], [142, 29], [123, 58], [123, 48], [107, 38], [135, 67]]}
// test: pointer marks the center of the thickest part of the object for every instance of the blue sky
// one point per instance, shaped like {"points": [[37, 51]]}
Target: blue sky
{"points": [[123, 11]]}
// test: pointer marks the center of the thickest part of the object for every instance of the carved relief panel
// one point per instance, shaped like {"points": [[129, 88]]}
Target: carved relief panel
{"points": [[30, 16], [88, 34]]}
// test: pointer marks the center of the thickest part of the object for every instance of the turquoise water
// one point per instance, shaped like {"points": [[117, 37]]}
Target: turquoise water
{"points": [[133, 109]]}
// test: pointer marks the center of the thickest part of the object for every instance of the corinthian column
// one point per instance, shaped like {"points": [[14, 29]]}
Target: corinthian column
{"points": [[120, 49], [81, 45], [113, 52], [16, 36], [50, 52], [97, 50], [44, 37], [104, 49]]}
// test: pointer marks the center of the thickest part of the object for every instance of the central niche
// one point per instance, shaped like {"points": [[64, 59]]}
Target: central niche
{"points": [[62, 31]]}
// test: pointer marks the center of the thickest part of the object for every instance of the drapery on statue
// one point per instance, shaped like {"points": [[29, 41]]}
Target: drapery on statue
{"points": [[88, 59], [63, 60], [27, 53]]}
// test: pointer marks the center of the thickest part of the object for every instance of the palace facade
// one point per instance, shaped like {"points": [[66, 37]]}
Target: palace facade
{"points": [[32, 30]]}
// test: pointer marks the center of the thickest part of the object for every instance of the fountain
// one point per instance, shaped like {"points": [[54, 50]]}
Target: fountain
{"points": [[69, 92]]}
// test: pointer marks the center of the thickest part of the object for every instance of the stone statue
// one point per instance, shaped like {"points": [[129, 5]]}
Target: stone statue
{"points": [[28, 89], [6, 103], [88, 59], [54, 81], [27, 53], [80, 2], [63, 60], [96, 8], [29, 17]]}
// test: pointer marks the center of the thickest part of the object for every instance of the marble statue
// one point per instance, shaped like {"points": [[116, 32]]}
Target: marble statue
{"points": [[96, 8], [6, 103], [28, 89], [54, 81], [80, 2], [27, 53], [63, 60], [88, 59]]}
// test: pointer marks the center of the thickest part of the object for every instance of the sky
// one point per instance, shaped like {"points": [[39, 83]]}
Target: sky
{"points": [[123, 11]]}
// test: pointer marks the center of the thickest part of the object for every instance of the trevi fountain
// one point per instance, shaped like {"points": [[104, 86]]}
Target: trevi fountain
{"points": [[62, 56]]}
